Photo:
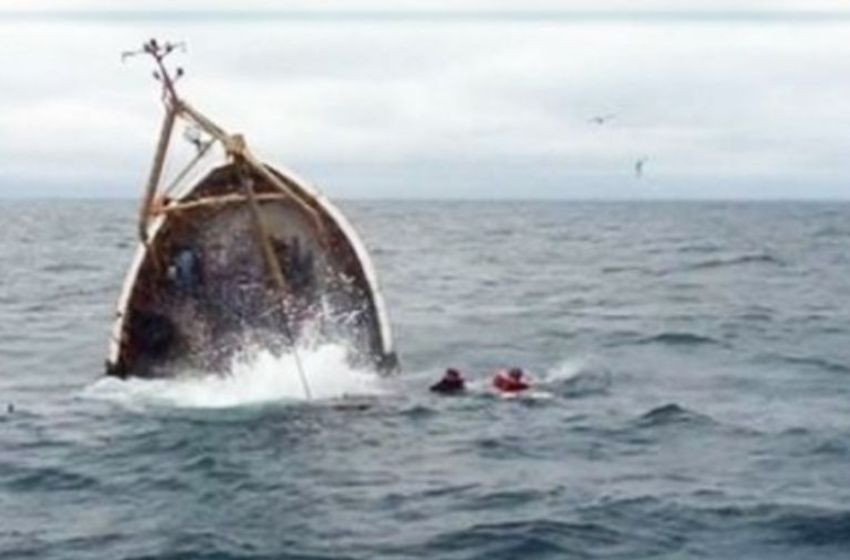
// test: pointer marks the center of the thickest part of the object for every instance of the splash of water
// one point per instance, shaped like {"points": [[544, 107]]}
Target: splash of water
{"points": [[566, 370], [256, 376], [579, 377]]}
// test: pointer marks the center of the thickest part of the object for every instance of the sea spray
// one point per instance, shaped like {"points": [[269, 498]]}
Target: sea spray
{"points": [[256, 376], [578, 377], [565, 370]]}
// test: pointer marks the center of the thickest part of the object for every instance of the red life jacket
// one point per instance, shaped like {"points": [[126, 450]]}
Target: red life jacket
{"points": [[505, 383]]}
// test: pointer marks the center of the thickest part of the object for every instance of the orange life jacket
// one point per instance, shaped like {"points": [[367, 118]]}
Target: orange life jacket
{"points": [[505, 383]]}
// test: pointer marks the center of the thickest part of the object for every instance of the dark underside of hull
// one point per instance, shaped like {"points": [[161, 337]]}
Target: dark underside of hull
{"points": [[203, 292]]}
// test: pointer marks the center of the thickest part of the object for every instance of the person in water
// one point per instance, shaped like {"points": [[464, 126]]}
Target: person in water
{"points": [[451, 383], [511, 381]]}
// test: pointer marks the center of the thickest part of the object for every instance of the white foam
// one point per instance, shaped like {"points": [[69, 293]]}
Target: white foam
{"points": [[255, 377], [565, 370]]}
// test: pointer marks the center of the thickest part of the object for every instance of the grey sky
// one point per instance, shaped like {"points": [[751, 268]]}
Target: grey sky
{"points": [[407, 99]]}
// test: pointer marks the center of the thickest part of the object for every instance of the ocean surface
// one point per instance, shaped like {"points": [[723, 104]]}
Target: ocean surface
{"points": [[692, 371]]}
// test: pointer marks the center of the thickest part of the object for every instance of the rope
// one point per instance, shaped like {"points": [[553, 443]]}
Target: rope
{"points": [[274, 270], [299, 365]]}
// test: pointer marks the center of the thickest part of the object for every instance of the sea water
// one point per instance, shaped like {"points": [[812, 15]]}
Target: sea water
{"points": [[693, 358]]}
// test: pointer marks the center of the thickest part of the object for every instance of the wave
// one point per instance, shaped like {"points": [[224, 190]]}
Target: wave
{"points": [[257, 376], [831, 231], [676, 338], [754, 258], [820, 363], [775, 523], [805, 442], [221, 551], [721, 262], [50, 479], [616, 269], [520, 539], [812, 526], [670, 414], [834, 447], [418, 411], [584, 536], [699, 248], [507, 498]]}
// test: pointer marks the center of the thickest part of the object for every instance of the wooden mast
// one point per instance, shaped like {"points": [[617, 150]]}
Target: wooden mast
{"points": [[156, 171]]}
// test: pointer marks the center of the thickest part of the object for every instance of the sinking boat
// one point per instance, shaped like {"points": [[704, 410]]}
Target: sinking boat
{"points": [[249, 255]]}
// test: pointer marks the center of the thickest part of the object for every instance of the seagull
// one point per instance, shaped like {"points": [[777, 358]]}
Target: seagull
{"points": [[639, 166], [601, 119]]}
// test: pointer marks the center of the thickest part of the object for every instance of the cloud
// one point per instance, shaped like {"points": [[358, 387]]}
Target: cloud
{"points": [[418, 6], [429, 109]]}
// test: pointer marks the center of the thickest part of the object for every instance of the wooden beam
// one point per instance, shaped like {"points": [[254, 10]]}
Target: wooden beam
{"points": [[263, 237], [156, 171], [260, 168], [219, 201], [235, 146], [210, 127]]}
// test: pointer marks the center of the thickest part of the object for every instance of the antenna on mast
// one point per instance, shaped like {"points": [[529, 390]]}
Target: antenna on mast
{"points": [[159, 52]]}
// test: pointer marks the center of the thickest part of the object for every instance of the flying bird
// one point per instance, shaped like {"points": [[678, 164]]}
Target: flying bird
{"points": [[601, 119], [639, 166]]}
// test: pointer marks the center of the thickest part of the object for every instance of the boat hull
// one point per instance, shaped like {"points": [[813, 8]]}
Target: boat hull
{"points": [[198, 293]]}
